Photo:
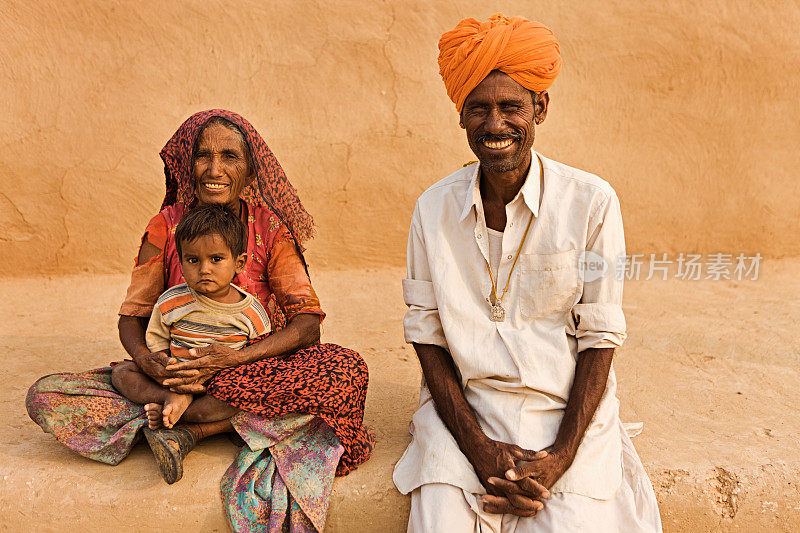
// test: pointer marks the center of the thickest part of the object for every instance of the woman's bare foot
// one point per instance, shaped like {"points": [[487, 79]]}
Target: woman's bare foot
{"points": [[174, 406], [154, 415]]}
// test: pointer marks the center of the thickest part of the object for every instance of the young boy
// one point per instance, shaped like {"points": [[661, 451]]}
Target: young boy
{"points": [[208, 308]]}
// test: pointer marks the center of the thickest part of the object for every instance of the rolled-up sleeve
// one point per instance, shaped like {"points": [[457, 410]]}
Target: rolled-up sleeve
{"points": [[599, 320], [421, 323]]}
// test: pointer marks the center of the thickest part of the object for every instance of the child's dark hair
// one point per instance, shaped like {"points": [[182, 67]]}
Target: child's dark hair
{"points": [[211, 220]]}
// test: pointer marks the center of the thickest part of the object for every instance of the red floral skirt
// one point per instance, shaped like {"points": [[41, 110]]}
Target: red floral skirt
{"points": [[325, 380]]}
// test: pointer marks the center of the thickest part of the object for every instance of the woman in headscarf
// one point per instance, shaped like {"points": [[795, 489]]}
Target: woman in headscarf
{"points": [[286, 395]]}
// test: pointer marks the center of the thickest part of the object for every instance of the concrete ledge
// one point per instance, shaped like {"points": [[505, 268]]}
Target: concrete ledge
{"points": [[709, 367]]}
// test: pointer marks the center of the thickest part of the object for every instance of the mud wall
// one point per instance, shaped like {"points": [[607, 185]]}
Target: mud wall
{"points": [[689, 109]]}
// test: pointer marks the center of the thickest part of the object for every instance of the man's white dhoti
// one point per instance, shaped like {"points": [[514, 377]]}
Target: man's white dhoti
{"points": [[441, 507]]}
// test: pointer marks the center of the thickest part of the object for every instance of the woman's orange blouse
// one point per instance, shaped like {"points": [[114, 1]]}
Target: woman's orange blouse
{"points": [[274, 273]]}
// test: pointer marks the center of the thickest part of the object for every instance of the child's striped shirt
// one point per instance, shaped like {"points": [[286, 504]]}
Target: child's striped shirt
{"points": [[183, 319]]}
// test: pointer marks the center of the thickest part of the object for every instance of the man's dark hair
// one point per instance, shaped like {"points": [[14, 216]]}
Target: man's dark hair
{"points": [[211, 220]]}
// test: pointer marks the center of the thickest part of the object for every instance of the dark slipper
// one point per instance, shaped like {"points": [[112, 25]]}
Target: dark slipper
{"points": [[168, 459]]}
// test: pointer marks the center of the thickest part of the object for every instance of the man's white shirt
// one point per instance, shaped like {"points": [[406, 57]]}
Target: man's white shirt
{"points": [[516, 374]]}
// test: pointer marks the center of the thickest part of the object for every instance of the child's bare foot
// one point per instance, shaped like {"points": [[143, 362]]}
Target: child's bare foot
{"points": [[154, 415], [174, 406]]}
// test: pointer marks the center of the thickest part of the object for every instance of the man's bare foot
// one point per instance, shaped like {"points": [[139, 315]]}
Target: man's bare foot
{"points": [[174, 406], [154, 415]]}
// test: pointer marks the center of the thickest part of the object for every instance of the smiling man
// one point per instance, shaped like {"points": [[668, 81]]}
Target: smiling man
{"points": [[518, 426]]}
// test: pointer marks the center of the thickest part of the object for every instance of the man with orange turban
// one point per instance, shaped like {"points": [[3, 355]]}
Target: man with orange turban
{"points": [[515, 310]]}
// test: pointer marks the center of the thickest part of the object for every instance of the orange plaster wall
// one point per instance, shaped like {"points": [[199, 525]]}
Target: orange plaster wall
{"points": [[690, 109]]}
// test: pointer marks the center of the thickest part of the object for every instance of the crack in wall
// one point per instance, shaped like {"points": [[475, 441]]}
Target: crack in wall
{"points": [[393, 87], [60, 252], [15, 228], [341, 193]]}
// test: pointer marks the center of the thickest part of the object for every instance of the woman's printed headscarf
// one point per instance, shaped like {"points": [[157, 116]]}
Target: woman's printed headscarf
{"points": [[270, 187]]}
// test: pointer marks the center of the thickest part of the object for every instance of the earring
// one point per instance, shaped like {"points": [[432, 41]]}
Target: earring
{"points": [[461, 125]]}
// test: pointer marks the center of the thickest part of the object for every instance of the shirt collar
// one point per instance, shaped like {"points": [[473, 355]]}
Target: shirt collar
{"points": [[530, 189]]}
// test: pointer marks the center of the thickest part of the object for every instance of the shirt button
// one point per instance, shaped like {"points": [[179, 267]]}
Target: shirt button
{"points": [[509, 257], [479, 235]]}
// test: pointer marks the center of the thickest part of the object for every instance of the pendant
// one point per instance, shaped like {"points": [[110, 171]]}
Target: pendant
{"points": [[498, 314]]}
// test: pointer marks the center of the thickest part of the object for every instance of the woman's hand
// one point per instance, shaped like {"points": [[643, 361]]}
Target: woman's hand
{"points": [[131, 334], [154, 364], [188, 377]]}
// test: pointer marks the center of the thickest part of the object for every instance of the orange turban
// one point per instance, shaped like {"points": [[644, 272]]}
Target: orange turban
{"points": [[525, 50]]}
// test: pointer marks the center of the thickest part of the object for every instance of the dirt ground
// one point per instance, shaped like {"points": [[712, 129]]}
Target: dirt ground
{"points": [[710, 367]]}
